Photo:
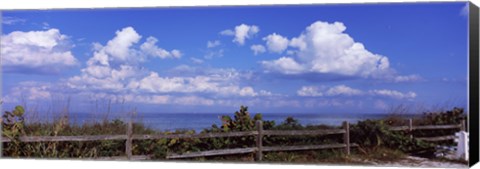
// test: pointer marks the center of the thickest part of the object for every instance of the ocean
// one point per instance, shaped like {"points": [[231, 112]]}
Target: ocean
{"points": [[200, 121]]}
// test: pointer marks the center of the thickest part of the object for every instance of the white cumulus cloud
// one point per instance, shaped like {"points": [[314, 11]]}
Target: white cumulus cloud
{"points": [[394, 94], [324, 48], [285, 65], [276, 43], [241, 33], [119, 46], [332, 91], [216, 85], [310, 91], [343, 90], [36, 52], [100, 77], [28, 91], [247, 91], [112, 70], [257, 49], [150, 48]]}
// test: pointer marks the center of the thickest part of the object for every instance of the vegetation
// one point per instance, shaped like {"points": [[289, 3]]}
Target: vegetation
{"points": [[375, 141], [373, 134], [14, 126]]}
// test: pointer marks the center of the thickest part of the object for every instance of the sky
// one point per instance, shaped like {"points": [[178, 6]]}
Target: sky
{"points": [[348, 58]]}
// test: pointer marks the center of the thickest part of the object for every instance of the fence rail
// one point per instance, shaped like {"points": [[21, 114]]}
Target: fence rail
{"points": [[306, 147], [426, 127], [439, 138], [214, 153], [122, 158], [201, 135], [259, 133], [67, 138], [410, 128], [303, 132], [259, 149]]}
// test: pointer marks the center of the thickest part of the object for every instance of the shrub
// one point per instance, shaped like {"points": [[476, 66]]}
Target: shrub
{"points": [[454, 116], [375, 133], [449, 117], [12, 128], [242, 121]]}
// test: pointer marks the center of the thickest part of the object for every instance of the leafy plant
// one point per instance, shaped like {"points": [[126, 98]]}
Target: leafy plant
{"points": [[375, 133], [241, 121], [12, 128], [449, 117], [454, 116]]}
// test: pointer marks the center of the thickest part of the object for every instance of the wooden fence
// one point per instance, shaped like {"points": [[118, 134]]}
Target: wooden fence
{"points": [[259, 148], [259, 133], [410, 128]]}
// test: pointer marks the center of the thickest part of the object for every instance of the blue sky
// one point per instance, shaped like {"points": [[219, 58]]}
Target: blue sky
{"points": [[275, 59]]}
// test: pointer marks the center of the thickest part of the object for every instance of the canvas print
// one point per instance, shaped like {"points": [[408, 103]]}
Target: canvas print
{"points": [[339, 84]]}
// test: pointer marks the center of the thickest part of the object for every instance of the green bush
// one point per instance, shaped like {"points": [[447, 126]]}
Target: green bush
{"points": [[13, 126], [449, 117], [242, 121], [454, 116], [375, 133]]}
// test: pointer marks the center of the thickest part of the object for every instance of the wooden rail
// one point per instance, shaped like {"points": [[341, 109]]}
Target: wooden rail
{"points": [[439, 138], [308, 147], [259, 149], [122, 158], [410, 128], [259, 133], [67, 138], [428, 127], [200, 135], [255, 149], [304, 147], [302, 132], [214, 153], [434, 127]]}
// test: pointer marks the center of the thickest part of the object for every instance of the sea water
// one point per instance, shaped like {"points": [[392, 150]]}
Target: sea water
{"points": [[200, 121]]}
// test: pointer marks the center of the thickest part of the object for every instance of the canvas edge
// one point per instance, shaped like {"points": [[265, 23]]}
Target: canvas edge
{"points": [[473, 83]]}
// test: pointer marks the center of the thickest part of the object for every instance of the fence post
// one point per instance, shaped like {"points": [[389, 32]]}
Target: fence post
{"points": [[410, 128], [346, 137], [128, 142], [462, 125], [462, 145], [259, 153]]}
